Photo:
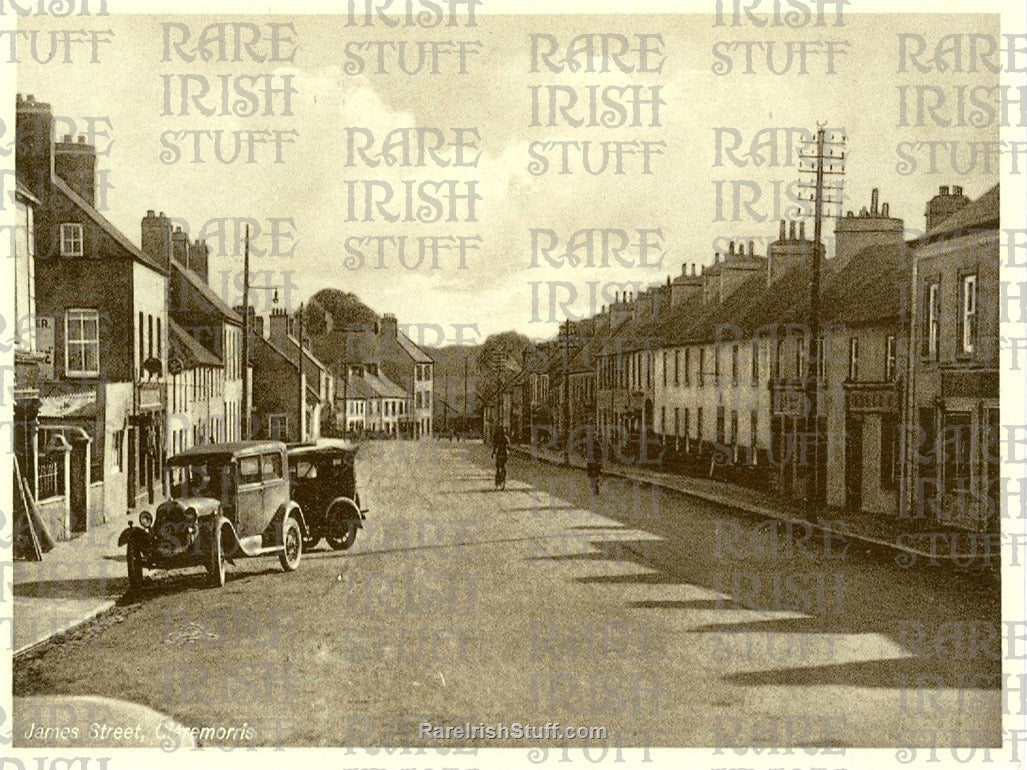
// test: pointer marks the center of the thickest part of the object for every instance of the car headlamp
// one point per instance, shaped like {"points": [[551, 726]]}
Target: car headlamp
{"points": [[190, 516], [145, 519]]}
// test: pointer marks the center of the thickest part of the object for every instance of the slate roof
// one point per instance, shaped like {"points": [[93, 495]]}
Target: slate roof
{"points": [[383, 387], [978, 214], [184, 347], [412, 350], [873, 286], [208, 294]]}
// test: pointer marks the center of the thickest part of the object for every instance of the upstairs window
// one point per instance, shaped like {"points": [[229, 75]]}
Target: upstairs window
{"points": [[932, 318], [71, 240], [889, 358], [82, 343], [968, 314], [853, 359]]}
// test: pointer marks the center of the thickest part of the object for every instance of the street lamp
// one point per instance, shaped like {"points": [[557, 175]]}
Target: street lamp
{"points": [[247, 427]]}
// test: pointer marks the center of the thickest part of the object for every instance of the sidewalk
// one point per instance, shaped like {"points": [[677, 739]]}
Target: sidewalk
{"points": [[942, 546], [76, 581]]}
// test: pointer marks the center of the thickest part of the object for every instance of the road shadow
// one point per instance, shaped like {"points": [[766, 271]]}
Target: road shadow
{"points": [[944, 625]]}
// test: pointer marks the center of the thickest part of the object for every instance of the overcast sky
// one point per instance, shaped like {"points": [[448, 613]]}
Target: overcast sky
{"points": [[495, 290]]}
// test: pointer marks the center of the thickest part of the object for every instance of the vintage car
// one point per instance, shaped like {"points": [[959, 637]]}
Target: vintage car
{"points": [[227, 501], [324, 484]]}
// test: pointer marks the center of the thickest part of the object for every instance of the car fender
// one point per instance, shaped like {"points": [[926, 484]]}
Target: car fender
{"points": [[290, 508], [343, 506], [217, 522]]}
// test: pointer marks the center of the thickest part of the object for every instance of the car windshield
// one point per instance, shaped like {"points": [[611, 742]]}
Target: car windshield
{"points": [[304, 469], [201, 479]]}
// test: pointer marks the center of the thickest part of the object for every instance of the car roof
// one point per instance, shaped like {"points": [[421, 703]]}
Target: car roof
{"points": [[228, 450], [323, 447]]}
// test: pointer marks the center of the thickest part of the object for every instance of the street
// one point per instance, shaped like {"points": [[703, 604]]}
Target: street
{"points": [[666, 620]]}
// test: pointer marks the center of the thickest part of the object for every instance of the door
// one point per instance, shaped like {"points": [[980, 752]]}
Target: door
{"points": [[854, 463], [132, 467], [249, 497], [78, 489]]}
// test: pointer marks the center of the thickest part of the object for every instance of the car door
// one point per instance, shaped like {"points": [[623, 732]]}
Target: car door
{"points": [[275, 487], [249, 496]]}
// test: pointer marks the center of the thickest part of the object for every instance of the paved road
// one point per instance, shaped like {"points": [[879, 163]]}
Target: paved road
{"points": [[667, 621]]}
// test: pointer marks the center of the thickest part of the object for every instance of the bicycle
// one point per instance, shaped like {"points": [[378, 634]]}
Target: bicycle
{"points": [[501, 476]]}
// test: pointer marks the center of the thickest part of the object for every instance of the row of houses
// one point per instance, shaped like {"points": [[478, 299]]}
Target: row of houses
{"points": [[716, 371], [125, 355]]}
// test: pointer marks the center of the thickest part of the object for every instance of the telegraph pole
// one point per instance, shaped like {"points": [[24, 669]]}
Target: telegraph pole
{"points": [[246, 432], [303, 393], [822, 162], [567, 391], [464, 410]]}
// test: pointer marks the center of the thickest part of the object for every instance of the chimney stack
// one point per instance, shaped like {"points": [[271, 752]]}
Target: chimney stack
{"points": [[781, 232], [802, 228], [791, 230], [873, 202]]}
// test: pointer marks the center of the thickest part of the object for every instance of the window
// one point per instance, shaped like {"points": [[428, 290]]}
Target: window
{"points": [[932, 312], [278, 427], [968, 314], [889, 358], [688, 366], [665, 368], [249, 470], [71, 240], [698, 426], [663, 420], [677, 368], [755, 363], [853, 359], [271, 466], [119, 450], [720, 424], [716, 363], [801, 358], [82, 343], [702, 367], [734, 428], [677, 421]]}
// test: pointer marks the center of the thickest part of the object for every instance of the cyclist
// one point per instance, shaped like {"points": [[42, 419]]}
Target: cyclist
{"points": [[499, 450]]}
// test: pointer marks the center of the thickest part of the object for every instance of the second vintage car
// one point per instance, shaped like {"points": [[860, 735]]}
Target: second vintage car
{"points": [[324, 483], [226, 501]]}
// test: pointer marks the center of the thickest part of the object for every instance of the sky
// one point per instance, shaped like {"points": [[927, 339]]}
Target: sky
{"points": [[499, 285]]}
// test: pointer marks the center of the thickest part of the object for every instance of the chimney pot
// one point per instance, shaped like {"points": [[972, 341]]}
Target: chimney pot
{"points": [[943, 190], [731, 248], [873, 201], [162, 215], [684, 268], [957, 190], [81, 139], [791, 230], [149, 212], [752, 250], [802, 230], [884, 209], [30, 98], [716, 257], [67, 138], [781, 233]]}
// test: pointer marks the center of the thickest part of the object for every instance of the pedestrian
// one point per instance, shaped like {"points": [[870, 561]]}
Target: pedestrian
{"points": [[594, 462]]}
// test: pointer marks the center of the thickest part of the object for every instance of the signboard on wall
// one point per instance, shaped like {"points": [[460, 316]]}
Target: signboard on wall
{"points": [[45, 345]]}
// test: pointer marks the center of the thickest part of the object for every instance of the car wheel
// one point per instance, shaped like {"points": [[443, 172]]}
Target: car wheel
{"points": [[345, 537], [292, 542], [217, 568], [135, 566], [310, 541]]}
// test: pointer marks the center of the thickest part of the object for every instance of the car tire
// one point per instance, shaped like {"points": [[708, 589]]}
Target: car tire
{"points": [[217, 567], [310, 542], [133, 560], [345, 539], [292, 544]]}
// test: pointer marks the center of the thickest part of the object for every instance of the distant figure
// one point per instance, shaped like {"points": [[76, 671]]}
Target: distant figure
{"points": [[594, 462], [500, 445]]}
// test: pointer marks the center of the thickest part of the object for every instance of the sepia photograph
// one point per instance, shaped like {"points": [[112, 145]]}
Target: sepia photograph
{"points": [[461, 383]]}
